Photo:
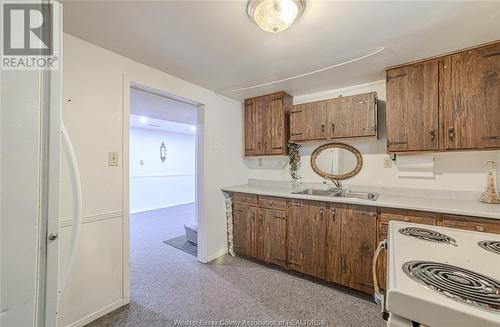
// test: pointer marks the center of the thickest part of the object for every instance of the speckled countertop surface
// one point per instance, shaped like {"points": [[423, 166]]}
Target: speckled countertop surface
{"points": [[442, 201]]}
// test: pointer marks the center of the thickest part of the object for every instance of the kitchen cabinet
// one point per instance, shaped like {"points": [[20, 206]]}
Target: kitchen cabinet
{"points": [[471, 223], [470, 83], [412, 108], [352, 116], [267, 124], [351, 237], [446, 103], [329, 241], [306, 237], [339, 118], [308, 122], [244, 229]]}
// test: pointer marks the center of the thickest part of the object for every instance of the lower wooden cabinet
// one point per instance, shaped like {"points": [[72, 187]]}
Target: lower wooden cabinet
{"points": [[329, 241], [244, 229], [306, 237]]}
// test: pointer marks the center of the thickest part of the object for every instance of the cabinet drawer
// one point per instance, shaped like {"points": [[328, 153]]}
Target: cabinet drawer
{"points": [[416, 217], [473, 224], [245, 198], [272, 202]]}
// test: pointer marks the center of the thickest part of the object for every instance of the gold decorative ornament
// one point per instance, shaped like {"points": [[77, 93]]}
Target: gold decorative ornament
{"points": [[490, 194]]}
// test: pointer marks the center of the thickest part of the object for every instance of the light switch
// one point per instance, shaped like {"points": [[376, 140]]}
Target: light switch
{"points": [[113, 159]]}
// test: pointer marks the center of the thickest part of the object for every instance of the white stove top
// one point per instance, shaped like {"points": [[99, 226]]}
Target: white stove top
{"points": [[409, 299]]}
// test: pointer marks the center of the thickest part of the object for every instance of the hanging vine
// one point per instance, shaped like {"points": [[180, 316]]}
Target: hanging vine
{"points": [[294, 160]]}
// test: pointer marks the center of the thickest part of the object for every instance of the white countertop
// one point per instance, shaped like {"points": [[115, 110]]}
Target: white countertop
{"points": [[450, 202]]}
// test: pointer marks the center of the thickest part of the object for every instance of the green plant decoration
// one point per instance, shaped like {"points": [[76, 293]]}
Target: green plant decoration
{"points": [[294, 160]]}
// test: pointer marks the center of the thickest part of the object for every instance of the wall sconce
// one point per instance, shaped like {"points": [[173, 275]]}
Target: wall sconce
{"points": [[163, 152]]}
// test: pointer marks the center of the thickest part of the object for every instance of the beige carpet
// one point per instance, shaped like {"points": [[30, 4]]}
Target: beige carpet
{"points": [[169, 287]]}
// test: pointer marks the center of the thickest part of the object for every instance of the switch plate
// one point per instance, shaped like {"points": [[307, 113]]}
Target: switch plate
{"points": [[387, 162], [113, 158]]}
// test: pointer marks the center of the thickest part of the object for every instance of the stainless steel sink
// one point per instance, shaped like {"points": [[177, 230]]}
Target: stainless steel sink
{"points": [[340, 193]]}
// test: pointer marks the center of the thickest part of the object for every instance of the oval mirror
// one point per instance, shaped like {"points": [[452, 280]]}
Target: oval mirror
{"points": [[336, 161]]}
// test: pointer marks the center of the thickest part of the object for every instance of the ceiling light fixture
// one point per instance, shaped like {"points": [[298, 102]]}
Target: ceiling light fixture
{"points": [[275, 16]]}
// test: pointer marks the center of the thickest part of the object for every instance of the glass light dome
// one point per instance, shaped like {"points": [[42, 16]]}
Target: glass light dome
{"points": [[275, 15]]}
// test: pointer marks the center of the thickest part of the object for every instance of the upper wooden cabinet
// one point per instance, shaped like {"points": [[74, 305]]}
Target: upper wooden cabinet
{"points": [[447, 103], [267, 124], [343, 117], [470, 84], [412, 107]]}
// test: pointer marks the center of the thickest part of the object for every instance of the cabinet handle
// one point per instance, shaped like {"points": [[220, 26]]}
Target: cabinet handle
{"points": [[451, 133], [295, 204], [293, 134], [396, 143], [480, 228], [322, 127], [333, 127], [261, 218], [279, 259], [321, 213], [433, 134], [496, 137], [334, 214], [258, 145]]}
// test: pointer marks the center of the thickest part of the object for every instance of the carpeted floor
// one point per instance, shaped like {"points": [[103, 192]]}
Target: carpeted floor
{"points": [[169, 287]]}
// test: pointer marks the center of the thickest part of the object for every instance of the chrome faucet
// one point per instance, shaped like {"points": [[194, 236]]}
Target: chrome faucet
{"points": [[336, 182]]}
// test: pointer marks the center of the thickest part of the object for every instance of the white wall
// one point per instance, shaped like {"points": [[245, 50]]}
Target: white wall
{"points": [[453, 170], [93, 79], [155, 184]]}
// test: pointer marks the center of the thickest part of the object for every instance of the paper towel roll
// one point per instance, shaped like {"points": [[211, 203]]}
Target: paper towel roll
{"points": [[419, 166]]}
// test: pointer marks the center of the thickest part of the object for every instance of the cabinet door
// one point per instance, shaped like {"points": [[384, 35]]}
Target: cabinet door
{"points": [[272, 236], [352, 116], [358, 228], [308, 121], [244, 229], [306, 237], [333, 247], [412, 107], [252, 135], [264, 126], [470, 92], [277, 141]]}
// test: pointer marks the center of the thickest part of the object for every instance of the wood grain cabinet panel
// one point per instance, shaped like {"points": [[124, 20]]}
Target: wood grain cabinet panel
{"points": [[244, 229], [273, 236], [267, 124], [412, 107], [306, 236], [472, 224], [470, 92], [308, 122], [352, 116]]}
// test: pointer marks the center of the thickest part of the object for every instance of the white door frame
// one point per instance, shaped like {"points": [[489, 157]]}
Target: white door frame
{"points": [[128, 82]]}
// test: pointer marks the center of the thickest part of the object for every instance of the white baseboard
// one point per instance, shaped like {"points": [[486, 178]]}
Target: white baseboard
{"points": [[98, 314], [161, 207], [214, 256]]}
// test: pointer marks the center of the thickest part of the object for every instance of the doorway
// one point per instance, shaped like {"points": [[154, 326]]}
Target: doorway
{"points": [[163, 183]]}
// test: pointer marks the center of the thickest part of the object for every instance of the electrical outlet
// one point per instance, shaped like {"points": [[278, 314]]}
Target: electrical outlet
{"points": [[387, 162], [113, 159]]}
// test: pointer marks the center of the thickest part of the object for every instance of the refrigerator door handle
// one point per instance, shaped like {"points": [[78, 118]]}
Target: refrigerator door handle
{"points": [[76, 189]]}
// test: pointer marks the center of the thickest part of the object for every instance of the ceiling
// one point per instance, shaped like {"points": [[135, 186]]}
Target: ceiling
{"points": [[161, 125], [213, 43], [143, 103]]}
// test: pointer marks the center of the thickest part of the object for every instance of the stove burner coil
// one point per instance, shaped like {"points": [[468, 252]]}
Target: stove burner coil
{"points": [[427, 234], [492, 246], [456, 283]]}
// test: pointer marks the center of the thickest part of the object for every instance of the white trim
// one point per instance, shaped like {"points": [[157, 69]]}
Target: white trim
{"points": [[161, 176], [97, 314], [161, 207], [67, 222], [214, 256], [127, 84]]}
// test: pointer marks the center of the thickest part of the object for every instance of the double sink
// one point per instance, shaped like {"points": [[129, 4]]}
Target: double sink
{"points": [[339, 193]]}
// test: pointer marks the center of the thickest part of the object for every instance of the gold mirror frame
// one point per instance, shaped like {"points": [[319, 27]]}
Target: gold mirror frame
{"points": [[354, 172]]}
